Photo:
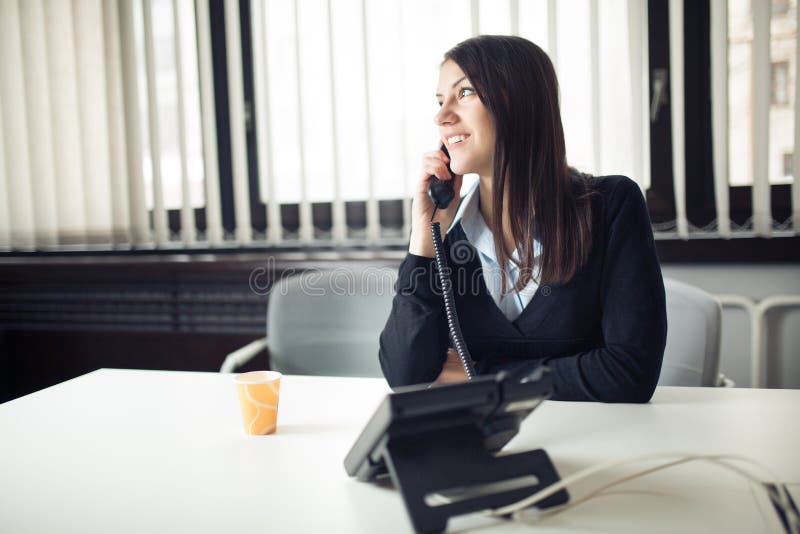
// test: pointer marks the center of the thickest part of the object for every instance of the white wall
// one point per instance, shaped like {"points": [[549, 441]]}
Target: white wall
{"points": [[783, 325]]}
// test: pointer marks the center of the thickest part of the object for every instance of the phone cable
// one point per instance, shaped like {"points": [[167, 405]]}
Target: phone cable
{"points": [[449, 301]]}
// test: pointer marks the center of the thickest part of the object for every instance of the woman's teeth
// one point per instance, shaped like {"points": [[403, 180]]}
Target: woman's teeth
{"points": [[456, 139]]}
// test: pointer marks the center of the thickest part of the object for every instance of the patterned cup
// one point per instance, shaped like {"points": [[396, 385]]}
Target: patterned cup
{"points": [[258, 399]]}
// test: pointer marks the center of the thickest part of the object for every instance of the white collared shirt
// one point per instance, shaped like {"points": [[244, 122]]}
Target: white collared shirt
{"points": [[480, 236]]}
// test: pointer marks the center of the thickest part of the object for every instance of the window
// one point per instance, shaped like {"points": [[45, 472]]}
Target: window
{"points": [[788, 165], [780, 7], [782, 43], [780, 83], [717, 126], [296, 123], [174, 53], [781, 119]]}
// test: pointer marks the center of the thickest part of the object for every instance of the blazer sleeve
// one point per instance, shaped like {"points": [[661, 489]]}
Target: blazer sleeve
{"points": [[413, 344], [634, 320]]}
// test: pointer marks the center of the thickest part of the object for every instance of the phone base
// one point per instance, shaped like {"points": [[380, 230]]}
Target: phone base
{"points": [[442, 474]]}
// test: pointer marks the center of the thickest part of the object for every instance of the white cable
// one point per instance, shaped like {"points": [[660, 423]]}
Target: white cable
{"points": [[778, 496], [564, 507], [550, 512]]}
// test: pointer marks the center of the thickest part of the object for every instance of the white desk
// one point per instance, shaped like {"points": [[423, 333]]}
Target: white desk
{"points": [[148, 451]]}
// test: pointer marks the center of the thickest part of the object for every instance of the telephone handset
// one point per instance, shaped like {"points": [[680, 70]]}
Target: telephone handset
{"points": [[441, 193]]}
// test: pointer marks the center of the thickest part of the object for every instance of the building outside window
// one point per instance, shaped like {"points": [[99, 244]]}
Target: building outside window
{"points": [[781, 119]]}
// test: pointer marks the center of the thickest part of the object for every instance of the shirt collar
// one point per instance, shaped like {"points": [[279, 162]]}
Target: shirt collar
{"points": [[475, 228], [468, 206]]}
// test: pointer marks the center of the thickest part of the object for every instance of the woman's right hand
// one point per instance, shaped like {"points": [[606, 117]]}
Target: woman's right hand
{"points": [[433, 163]]}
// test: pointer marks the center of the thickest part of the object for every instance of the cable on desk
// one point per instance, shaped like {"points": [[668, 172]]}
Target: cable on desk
{"points": [[776, 493]]}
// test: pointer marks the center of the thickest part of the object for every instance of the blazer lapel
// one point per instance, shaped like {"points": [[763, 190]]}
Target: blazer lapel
{"points": [[538, 308]]}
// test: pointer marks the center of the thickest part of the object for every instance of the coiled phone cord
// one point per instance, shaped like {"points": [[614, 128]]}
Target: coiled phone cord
{"points": [[449, 301]]}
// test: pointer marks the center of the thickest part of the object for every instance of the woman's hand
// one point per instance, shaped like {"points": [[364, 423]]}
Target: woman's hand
{"points": [[452, 371], [433, 163]]}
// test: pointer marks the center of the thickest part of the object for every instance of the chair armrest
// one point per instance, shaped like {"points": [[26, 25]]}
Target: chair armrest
{"points": [[725, 382], [243, 355]]}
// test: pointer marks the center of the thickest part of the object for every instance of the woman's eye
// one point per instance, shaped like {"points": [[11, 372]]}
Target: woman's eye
{"points": [[465, 91]]}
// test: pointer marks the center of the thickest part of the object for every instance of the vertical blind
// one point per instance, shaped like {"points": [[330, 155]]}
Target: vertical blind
{"points": [[108, 112], [744, 48]]}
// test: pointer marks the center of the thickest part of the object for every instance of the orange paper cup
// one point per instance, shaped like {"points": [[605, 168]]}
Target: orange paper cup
{"points": [[258, 399]]}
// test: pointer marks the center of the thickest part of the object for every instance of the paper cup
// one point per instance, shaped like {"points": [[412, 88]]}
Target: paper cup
{"points": [[258, 400]]}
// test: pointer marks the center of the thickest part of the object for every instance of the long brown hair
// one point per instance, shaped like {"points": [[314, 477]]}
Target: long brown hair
{"points": [[517, 83]]}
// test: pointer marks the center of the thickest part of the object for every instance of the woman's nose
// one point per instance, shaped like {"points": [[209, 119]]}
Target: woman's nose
{"points": [[443, 116]]}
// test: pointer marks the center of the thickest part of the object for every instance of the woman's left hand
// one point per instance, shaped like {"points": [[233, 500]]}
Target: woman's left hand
{"points": [[452, 371]]}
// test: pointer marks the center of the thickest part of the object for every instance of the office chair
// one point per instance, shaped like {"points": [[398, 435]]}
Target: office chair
{"points": [[691, 357], [325, 323]]}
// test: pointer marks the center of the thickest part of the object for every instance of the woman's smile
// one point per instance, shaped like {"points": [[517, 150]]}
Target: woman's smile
{"points": [[456, 140]]}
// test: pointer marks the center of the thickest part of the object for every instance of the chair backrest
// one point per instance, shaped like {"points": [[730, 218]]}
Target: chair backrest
{"points": [[691, 357], [328, 322]]}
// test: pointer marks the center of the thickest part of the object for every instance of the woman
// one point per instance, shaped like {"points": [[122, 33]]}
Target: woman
{"points": [[549, 266]]}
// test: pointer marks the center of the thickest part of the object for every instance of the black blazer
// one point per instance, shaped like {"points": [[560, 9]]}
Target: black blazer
{"points": [[602, 333]]}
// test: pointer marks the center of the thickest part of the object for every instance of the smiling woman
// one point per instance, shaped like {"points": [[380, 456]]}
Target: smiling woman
{"points": [[550, 266]]}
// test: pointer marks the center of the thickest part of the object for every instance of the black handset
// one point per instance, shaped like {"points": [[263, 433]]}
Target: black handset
{"points": [[441, 192]]}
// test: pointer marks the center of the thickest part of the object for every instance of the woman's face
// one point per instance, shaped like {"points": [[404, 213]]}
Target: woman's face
{"points": [[465, 126]]}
